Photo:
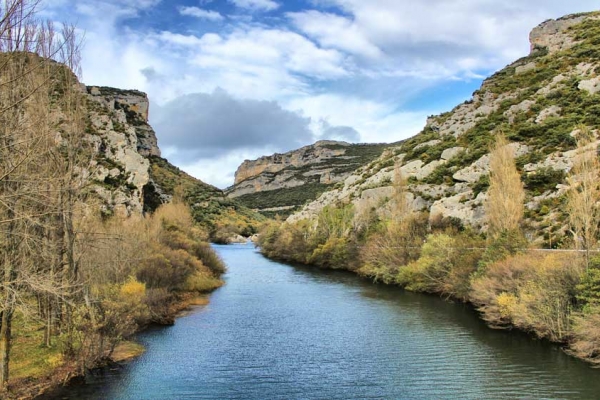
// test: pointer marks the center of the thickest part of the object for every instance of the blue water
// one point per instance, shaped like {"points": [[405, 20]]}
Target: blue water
{"points": [[280, 332]]}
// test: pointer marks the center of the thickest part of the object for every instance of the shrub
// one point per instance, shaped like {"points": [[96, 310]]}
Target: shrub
{"points": [[445, 266], [585, 342], [201, 282], [398, 244], [335, 253], [133, 289], [543, 179], [287, 241], [534, 292], [209, 257]]}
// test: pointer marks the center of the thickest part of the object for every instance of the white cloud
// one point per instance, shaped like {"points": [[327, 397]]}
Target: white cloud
{"points": [[447, 37], [374, 121], [260, 47], [332, 30], [256, 5], [249, 62], [200, 13]]}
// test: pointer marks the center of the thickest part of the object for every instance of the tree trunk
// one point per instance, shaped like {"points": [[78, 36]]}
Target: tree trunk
{"points": [[5, 341]]}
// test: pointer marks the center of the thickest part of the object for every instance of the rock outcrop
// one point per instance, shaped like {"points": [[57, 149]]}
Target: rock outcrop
{"points": [[553, 35], [121, 139], [308, 155]]}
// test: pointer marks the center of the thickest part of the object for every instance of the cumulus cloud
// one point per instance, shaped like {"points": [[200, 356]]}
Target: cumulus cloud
{"points": [[201, 125], [256, 5], [249, 61], [326, 131], [332, 30], [201, 13], [447, 37]]}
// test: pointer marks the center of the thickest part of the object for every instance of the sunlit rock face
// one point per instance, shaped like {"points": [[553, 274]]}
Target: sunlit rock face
{"points": [[121, 140]]}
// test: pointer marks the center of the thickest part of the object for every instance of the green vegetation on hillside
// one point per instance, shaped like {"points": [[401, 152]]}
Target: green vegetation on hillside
{"points": [[285, 197], [221, 216], [355, 156]]}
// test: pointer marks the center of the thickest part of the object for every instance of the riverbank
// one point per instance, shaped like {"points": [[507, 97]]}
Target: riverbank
{"points": [[549, 294], [42, 370], [300, 332]]}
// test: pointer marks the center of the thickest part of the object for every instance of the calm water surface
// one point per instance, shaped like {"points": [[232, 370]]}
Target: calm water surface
{"points": [[281, 332]]}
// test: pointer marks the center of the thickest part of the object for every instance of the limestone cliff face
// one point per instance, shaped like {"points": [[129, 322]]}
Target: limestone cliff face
{"points": [[121, 140], [539, 102], [282, 182], [128, 176], [308, 155], [553, 35]]}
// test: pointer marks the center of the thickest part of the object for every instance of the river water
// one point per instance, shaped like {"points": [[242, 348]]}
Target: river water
{"points": [[280, 332]]}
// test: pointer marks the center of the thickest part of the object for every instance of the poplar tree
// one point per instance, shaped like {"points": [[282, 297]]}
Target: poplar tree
{"points": [[505, 198], [584, 194]]}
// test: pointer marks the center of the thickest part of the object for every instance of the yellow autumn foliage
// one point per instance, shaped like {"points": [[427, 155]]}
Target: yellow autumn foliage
{"points": [[133, 288]]}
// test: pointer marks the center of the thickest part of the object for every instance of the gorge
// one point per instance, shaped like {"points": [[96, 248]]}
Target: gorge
{"points": [[487, 217]]}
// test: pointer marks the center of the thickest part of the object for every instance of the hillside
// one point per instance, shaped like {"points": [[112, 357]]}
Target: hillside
{"points": [[538, 102], [224, 218], [494, 203], [279, 184], [96, 239]]}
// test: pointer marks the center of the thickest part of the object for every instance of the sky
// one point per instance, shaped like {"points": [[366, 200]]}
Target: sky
{"points": [[230, 80]]}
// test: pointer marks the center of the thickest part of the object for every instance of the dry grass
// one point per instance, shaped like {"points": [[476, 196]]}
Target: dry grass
{"points": [[29, 357], [127, 350]]}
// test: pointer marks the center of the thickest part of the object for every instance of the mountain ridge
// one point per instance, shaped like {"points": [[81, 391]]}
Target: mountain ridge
{"points": [[281, 183]]}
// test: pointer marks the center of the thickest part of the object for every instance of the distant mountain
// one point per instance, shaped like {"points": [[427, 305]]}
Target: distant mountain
{"points": [[282, 183]]}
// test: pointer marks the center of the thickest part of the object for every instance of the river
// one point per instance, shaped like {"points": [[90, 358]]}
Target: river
{"points": [[280, 332]]}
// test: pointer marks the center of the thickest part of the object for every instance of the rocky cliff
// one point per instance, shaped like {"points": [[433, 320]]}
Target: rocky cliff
{"points": [[128, 175], [280, 183], [539, 102], [121, 139]]}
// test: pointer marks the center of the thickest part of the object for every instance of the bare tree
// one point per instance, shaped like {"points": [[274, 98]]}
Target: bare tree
{"points": [[38, 163], [584, 195], [506, 195]]}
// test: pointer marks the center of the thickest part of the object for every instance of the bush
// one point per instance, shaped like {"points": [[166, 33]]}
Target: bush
{"points": [[445, 266], [506, 244], [543, 179], [585, 342], [155, 271], [287, 241], [335, 253], [398, 244], [209, 257], [201, 282], [534, 292]]}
